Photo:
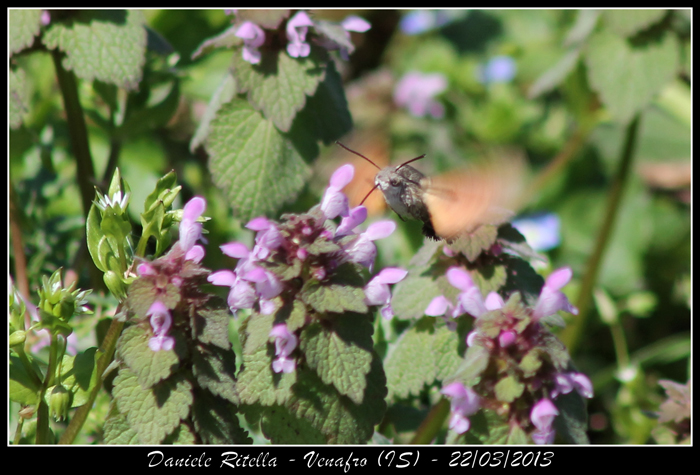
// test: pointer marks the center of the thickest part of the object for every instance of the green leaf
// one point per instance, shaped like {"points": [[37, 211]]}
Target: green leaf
{"points": [[210, 325], [19, 96], [144, 291], [279, 85], [223, 94], [153, 413], [628, 22], [215, 421], [331, 297], [509, 389], [649, 67], [325, 118], [109, 45], [215, 370], [254, 165], [23, 388], [257, 382], [150, 367], [117, 430], [473, 244], [336, 417], [340, 354], [572, 421], [476, 360], [24, 25], [79, 375], [268, 19], [421, 356]]}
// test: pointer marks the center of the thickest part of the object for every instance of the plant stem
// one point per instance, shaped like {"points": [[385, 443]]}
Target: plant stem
{"points": [[107, 351], [571, 335], [42, 423], [432, 423]]}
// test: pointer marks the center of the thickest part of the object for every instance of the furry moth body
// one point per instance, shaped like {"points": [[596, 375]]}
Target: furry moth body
{"points": [[451, 204]]}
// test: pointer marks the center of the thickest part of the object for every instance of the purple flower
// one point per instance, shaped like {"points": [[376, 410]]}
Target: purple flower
{"points": [[190, 229], [362, 250], [253, 38], [377, 290], [356, 216], [285, 343], [241, 294], [551, 300], [439, 307], [161, 321], [267, 238], [416, 91], [464, 402], [542, 417], [497, 69], [297, 27], [566, 382], [334, 202]]}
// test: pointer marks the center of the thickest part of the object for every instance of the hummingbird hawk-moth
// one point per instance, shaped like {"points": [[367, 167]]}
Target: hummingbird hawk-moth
{"points": [[454, 203]]}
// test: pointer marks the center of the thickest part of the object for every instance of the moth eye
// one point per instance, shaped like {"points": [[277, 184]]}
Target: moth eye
{"points": [[394, 182]]}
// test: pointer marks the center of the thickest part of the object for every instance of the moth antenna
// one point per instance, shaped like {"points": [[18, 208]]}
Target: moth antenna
{"points": [[411, 160], [359, 155], [367, 195]]}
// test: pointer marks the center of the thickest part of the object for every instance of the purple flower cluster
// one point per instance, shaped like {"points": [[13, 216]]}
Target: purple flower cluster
{"points": [[251, 282], [510, 333], [297, 29]]}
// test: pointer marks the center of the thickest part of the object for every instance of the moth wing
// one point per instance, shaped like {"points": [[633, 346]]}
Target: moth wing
{"points": [[463, 200]]}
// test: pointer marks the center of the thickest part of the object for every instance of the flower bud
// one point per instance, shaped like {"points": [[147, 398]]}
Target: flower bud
{"points": [[17, 338], [60, 400]]}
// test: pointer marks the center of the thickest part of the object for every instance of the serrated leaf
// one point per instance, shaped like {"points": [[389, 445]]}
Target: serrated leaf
{"points": [[332, 297], [530, 363], [117, 430], [278, 86], [225, 39], [252, 162], [325, 118], [341, 354], [109, 45], [413, 294], [336, 416], [156, 412], [19, 97], [215, 421], [556, 351], [282, 427], [628, 22], [473, 244], [143, 292], [648, 68], [215, 370], [421, 356], [508, 389], [257, 382], [149, 366], [556, 74], [23, 25], [210, 326], [572, 421], [223, 94]]}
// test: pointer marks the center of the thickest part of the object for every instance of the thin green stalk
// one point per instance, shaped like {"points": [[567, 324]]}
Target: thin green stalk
{"points": [[571, 335], [432, 424], [107, 352], [42, 423]]}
